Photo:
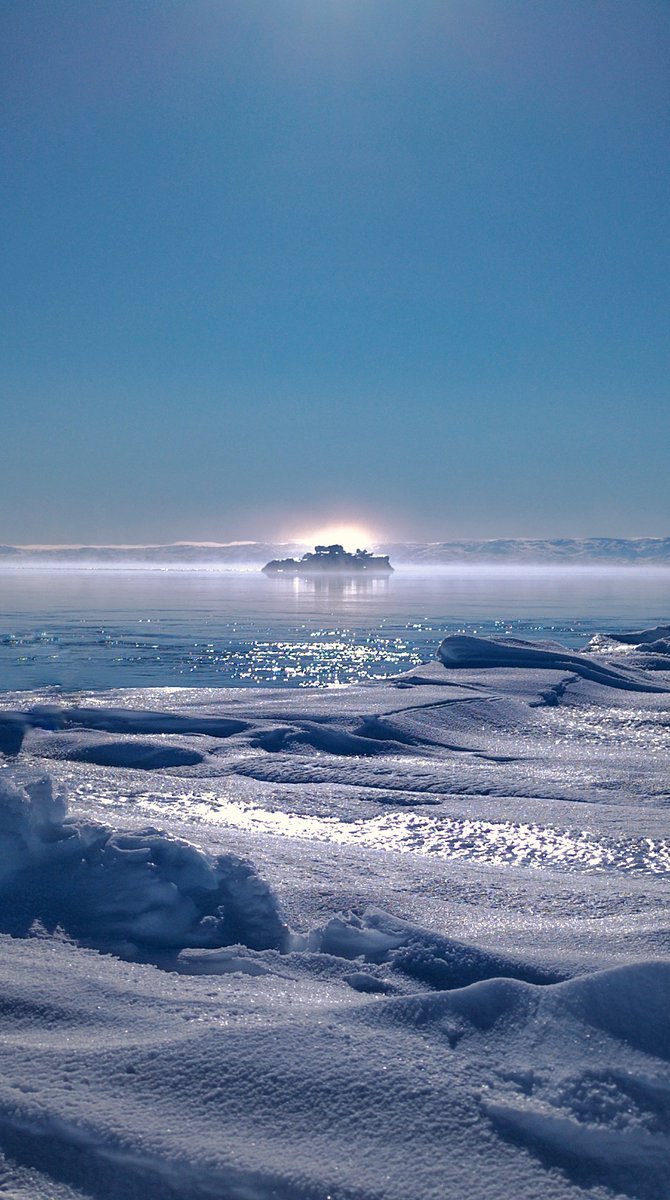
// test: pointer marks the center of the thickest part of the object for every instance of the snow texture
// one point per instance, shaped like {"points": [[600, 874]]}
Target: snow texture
{"points": [[122, 890], [461, 650], [423, 955]]}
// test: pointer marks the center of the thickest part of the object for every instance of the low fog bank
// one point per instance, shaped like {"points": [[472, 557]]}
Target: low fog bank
{"points": [[252, 555]]}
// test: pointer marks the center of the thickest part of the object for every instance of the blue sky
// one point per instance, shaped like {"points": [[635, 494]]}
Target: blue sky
{"points": [[271, 264]]}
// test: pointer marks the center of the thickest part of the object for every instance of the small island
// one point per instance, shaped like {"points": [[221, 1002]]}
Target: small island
{"points": [[330, 560]]}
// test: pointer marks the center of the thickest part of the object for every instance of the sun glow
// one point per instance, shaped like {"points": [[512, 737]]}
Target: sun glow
{"points": [[352, 537]]}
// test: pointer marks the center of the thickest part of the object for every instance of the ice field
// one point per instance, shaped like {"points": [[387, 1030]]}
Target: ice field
{"points": [[404, 938]]}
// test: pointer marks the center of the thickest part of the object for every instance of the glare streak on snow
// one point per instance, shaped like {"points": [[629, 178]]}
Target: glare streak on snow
{"points": [[593, 725], [493, 843]]}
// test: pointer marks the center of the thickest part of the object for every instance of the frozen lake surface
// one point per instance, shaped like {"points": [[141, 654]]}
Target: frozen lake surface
{"points": [[402, 939], [157, 628]]}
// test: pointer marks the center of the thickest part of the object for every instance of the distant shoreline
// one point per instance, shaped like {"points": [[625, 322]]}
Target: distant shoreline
{"points": [[458, 553]]}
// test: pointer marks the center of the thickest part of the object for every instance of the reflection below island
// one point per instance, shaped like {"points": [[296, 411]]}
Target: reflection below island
{"points": [[339, 587]]}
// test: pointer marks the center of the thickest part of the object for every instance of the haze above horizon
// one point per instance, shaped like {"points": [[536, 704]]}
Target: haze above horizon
{"points": [[288, 269]]}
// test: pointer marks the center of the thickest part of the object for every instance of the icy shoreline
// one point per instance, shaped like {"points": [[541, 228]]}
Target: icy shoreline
{"points": [[421, 949]]}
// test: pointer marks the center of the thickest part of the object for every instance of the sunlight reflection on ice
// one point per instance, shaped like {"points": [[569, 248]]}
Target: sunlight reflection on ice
{"points": [[492, 843], [623, 727]]}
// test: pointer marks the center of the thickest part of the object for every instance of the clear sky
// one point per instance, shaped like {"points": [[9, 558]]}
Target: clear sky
{"points": [[275, 264]]}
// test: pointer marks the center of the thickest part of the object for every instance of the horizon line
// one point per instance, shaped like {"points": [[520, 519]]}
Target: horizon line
{"points": [[211, 545]]}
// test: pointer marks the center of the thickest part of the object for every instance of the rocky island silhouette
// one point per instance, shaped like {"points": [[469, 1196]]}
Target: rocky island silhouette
{"points": [[330, 560]]}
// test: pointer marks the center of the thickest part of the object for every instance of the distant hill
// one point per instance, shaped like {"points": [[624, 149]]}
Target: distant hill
{"points": [[532, 550], [645, 551], [232, 554]]}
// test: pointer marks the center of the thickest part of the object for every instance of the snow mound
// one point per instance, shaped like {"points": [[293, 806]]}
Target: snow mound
{"points": [[464, 651], [631, 1162], [646, 648], [640, 637], [601, 1125], [124, 720], [427, 958], [136, 753], [118, 721], [127, 891], [631, 1003]]}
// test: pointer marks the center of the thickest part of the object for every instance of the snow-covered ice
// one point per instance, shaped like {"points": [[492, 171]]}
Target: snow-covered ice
{"points": [[406, 939]]}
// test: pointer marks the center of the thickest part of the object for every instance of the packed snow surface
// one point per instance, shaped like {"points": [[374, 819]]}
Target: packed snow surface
{"points": [[397, 940]]}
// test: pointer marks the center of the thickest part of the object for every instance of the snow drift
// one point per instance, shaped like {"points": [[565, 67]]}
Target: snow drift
{"points": [[474, 1001], [427, 958], [123, 890], [464, 651]]}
